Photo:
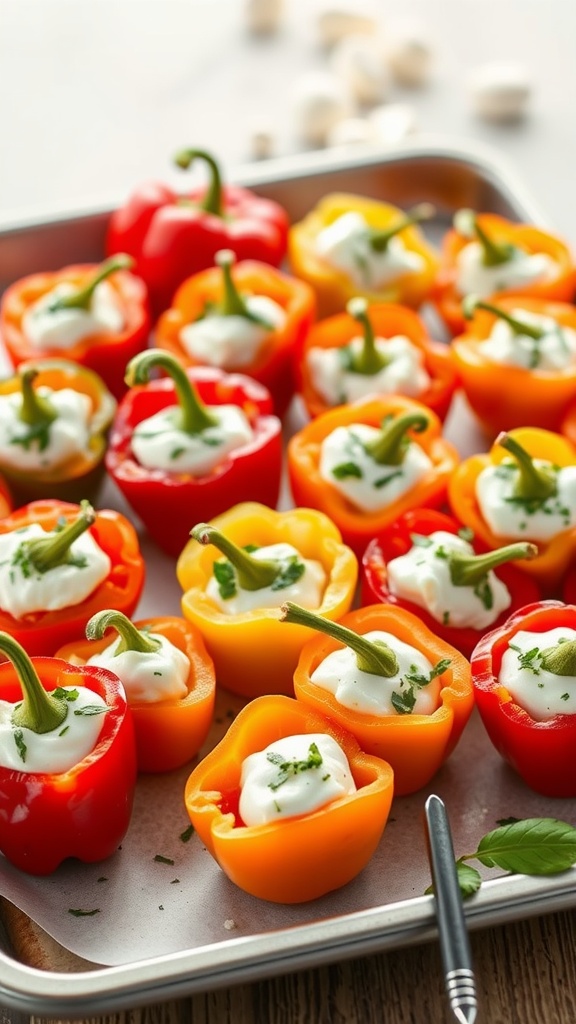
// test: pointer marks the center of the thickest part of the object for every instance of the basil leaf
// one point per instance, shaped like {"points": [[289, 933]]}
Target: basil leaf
{"points": [[469, 879], [534, 846]]}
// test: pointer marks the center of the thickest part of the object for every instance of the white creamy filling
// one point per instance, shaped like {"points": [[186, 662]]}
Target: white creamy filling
{"points": [[378, 695], [158, 442], [26, 448], [522, 269], [508, 516], [555, 350], [345, 245], [369, 485], [422, 576], [404, 374], [61, 749], [24, 590], [294, 775], [63, 328], [306, 590], [232, 342], [147, 676], [538, 691]]}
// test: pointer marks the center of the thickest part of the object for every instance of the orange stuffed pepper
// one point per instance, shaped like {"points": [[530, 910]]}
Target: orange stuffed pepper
{"points": [[311, 852]]}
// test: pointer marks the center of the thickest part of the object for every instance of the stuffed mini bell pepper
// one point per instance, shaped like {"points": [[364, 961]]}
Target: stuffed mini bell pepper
{"points": [[67, 761], [365, 464], [384, 349], [54, 421], [287, 803], [523, 489], [96, 316], [168, 678], [251, 319], [172, 235], [424, 562], [486, 255], [238, 570], [524, 676], [405, 694], [59, 564], [349, 245], [516, 361], [191, 445]]}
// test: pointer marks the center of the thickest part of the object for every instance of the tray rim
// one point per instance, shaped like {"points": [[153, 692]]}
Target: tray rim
{"points": [[407, 922]]}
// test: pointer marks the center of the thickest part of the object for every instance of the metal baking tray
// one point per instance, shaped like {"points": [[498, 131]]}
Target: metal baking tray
{"points": [[387, 907]]}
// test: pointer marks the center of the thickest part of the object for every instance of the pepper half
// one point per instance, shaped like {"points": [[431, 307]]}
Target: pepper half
{"points": [[300, 858], [104, 353], [333, 286], [380, 320], [219, 289], [415, 745], [252, 651], [359, 527], [43, 632], [81, 475], [170, 503], [397, 541], [82, 812], [168, 732], [172, 235], [499, 235], [542, 752], [554, 556]]}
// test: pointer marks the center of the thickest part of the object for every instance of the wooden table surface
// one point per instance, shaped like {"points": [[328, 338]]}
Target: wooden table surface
{"points": [[526, 972]]}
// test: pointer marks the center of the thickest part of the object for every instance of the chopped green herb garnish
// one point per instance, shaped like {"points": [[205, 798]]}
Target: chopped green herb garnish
{"points": [[404, 702], [20, 744], [83, 913], [187, 834], [62, 694], [163, 860], [290, 573], [384, 480], [347, 469], [286, 769], [90, 709], [226, 578], [484, 593], [528, 659]]}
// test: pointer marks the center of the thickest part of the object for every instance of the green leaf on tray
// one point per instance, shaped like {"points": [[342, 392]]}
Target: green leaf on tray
{"points": [[534, 846]]}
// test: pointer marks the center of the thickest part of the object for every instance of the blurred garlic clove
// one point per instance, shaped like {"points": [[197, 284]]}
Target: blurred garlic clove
{"points": [[261, 144], [500, 91], [335, 23], [320, 101], [392, 122], [352, 131], [359, 61], [263, 16], [409, 55]]}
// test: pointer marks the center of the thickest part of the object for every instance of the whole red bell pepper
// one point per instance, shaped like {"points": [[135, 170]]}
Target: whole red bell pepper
{"points": [[81, 811], [172, 236], [43, 632], [542, 752], [105, 352], [170, 502], [397, 540]]}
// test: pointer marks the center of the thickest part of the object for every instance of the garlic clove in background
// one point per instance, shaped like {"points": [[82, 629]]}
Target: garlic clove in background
{"points": [[500, 92], [359, 61], [336, 23], [409, 54], [321, 100]]}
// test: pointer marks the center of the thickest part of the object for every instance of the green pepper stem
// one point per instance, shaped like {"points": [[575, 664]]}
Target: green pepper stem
{"points": [[35, 410], [131, 638], [39, 711], [493, 253], [468, 570], [369, 360], [389, 448], [253, 573], [46, 553], [372, 656], [560, 659], [534, 482], [212, 201], [194, 416], [379, 239], [233, 303], [472, 303], [82, 297]]}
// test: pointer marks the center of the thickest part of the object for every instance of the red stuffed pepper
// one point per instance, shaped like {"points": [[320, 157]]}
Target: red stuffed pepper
{"points": [[524, 676], [424, 562], [97, 316], [178, 460], [172, 236], [59, 564], [68, 762]]}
